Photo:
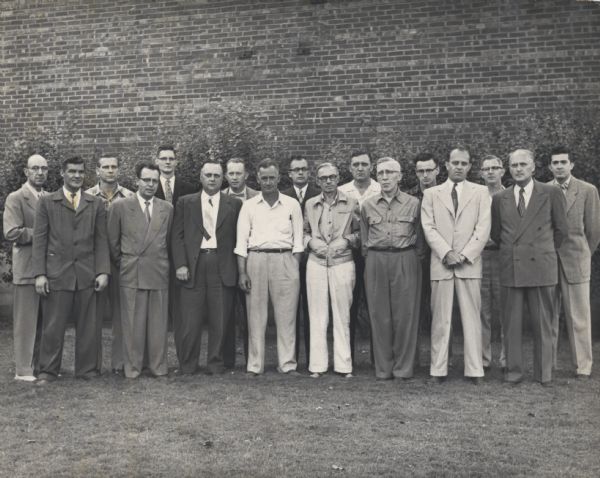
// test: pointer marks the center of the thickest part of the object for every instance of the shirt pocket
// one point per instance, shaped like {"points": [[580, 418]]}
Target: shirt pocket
{"points": [[404, 225], [374, 220]]}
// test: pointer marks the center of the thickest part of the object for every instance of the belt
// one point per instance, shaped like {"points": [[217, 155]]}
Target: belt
{"points": [[271, 251], [391, 249], [208, 251], [493, 247]]}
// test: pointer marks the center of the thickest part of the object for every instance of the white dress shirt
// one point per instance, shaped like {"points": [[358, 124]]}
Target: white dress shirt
{"points": [[302, 191], [459, 188], [349, 189], [209, 211], [526, 194], [142, 202], [163, 183]]}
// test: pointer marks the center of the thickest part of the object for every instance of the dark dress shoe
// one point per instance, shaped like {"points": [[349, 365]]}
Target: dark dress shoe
{"points": [[582, 376], [436, 380], [475, 380]]}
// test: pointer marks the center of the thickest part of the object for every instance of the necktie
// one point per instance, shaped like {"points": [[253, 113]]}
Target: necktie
{"points": [[74, 200], [300, 197], [564, 187], [521, 206], [147, 212], [168, 191], [208, 217], [454, 198]]}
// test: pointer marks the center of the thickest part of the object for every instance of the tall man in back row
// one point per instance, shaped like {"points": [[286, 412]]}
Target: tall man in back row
{"points": [[574, 254], [71, 264], [529, 224]]}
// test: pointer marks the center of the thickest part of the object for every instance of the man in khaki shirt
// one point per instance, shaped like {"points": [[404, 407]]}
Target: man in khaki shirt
{"points": [[391, 240]]}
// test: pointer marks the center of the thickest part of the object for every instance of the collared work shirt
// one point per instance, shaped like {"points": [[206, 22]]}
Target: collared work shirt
{"points": [[391, 224], [261, 226], [120, 193], [349, 189]]}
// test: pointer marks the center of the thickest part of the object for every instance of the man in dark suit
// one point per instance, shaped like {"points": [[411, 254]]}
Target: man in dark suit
{"points": [[203, 238], [19, 213], [529, 224], [301, 190], [138, 233], [236, 175], [575, 253], [70, 264]]}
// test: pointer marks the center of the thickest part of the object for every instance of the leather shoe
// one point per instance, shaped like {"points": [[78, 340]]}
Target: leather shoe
{"points": [[474, 380], [578, 376], [437, 380]]}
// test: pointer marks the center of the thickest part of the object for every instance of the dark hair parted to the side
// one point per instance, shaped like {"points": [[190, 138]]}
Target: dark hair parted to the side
{"points": [[71, 160], [426, 156], [360, 152], [145, 165], [560, 149], [267, 163], [166, 147]]}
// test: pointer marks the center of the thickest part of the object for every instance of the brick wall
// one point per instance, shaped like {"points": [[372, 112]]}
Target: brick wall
{"points": [[323, 69]]}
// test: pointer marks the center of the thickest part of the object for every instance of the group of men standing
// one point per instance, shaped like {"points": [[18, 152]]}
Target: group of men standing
{"points": [[215, 259]]}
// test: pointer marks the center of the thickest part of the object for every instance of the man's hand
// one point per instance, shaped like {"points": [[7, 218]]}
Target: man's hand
{"points": [[452, 259], [101, 282], [244, 283], [42, 286], [182, 273]]}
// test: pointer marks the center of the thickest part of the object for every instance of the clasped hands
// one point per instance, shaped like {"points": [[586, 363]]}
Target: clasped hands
{"points": [[453, 259]]}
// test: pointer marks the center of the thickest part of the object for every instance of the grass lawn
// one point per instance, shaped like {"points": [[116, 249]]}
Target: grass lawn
{"points": [[274, 425]]}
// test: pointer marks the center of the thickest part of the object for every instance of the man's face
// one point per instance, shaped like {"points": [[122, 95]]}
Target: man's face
{"points": [[148, 183], [360, 167], [328, 178], [299, 172], [521, 167], [211, 178], [458, 166], [108, 170], [73, 176], [388, 176], [36, 171], [236, 176], [166, 162], [561, 166], [492, 172], [427, 172], [268, 178]]}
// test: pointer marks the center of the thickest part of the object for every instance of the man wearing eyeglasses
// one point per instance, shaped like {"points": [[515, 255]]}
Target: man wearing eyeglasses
{"points": [[138, 234], [301, 190], [19, 213], [331, 230], [491, 171], [529, 224]]}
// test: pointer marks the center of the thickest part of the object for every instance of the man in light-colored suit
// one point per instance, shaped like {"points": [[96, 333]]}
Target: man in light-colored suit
{"points": [[203, 238], [236, 175], [71, 264], [529, 224], [456, 222], [575, 252], [19, 213], [138, 233]]}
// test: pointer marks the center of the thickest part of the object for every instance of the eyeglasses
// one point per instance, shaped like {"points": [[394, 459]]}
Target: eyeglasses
{"points": [[150, 180], [491, 168], [331, 178], [37, 169], [299, 170], [422, 172]]}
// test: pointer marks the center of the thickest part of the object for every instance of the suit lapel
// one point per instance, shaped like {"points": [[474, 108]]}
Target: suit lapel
{"points": [[572, 193], [222, 213], [136, 216], [465, 197], [445, 196], [84, 201], [196, 207], [155, 223], [535, 203], [29, 198]]}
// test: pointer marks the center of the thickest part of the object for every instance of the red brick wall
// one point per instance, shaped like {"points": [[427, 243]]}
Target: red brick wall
{"points": [[323, 69]]}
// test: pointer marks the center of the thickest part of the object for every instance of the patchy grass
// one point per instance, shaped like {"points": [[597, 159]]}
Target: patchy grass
{"points": [[274, 425]]}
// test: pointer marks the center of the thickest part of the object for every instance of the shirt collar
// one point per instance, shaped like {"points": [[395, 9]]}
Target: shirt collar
{"points": [[339, 197], [34, 191], [205, 197], [302, 189], [143, 201], [528, 188], [262, 199], [68, 194], [396, 196], [556, 183]]}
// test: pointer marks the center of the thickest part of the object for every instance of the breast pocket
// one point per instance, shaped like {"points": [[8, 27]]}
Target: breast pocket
{"points": [[404, 225]]}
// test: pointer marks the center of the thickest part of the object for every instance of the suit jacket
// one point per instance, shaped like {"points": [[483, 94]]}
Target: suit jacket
{"points": [[583, 218], [140, 251], [70, 247], [187, 235], [19, 214], [528, 244], [181, 189], [311, 192], [465, 232], [250, 193]]}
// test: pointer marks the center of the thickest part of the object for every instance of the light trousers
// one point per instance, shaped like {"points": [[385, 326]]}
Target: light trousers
{"points": [[575, 301], [491, 307], [26, 310], [469, 302], [322, 284], [275, 276], [144, 321]]}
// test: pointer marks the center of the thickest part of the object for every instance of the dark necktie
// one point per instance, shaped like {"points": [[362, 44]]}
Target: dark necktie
{"points": [[564, 187], [521, 206], [147, 211], [454, 198]]}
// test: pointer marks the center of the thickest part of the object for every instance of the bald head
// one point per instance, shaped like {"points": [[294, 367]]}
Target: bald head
{"points": [[522, 166], [36, 171]]}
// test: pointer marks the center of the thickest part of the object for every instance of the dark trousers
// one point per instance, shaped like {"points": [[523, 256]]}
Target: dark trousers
{"points": [[59, 307], [359, 296], [207, 304], [303, 326], [237, 321]]}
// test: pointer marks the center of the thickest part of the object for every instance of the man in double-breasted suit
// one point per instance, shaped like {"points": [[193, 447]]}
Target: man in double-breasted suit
{"points": [[139, 232], [19, 213], [574, 254], [70, 264], [529, 224], [456, 222], [203, 238]]}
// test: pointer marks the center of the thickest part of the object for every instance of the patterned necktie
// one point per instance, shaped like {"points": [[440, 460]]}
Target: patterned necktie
{"points": [[454, 195], [564, 187], [300, 197], [147, 211], [208, 217], [168, 191], [521, 206]]}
